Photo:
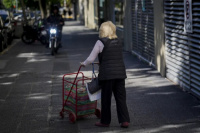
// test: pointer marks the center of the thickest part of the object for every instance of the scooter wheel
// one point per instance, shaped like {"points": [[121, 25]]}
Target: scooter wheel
{"points": [[52, 53], [56, 50], [61, 114], [72, 117], [27, 39], [52, 48], [98, 113]]}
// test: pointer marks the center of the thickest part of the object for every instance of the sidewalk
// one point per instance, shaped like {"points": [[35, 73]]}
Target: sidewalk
{"points": [[31, 91]]}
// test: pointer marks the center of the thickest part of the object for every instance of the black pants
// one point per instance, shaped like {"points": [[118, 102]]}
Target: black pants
{"points": [[117, 86]]}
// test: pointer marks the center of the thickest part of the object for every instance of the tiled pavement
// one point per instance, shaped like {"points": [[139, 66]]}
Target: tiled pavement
{"points": [[31, 91]]}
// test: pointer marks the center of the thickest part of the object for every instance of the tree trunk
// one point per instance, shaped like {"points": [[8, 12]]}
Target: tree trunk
{"points": [[24, 12], [41, 9], [42, 5], [48, 8]]}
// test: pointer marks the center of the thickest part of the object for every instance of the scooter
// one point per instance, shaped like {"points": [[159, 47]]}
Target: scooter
{"points": [[33, 33], [53, 39]]}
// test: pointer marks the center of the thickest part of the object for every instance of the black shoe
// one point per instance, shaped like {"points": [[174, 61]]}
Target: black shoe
{"points": [[125, 124]]}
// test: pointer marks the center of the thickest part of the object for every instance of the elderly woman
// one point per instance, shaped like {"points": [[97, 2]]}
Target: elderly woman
{"points": [[112, 74]]}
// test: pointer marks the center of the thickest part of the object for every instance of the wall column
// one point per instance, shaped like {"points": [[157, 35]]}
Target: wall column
{"points": [[159, 39]]}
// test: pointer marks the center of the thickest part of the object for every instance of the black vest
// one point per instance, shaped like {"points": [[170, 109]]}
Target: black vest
{"points": [[111, 60]]}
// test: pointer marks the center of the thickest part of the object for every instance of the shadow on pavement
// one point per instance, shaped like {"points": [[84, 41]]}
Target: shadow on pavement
{"points": [[31, 91]]}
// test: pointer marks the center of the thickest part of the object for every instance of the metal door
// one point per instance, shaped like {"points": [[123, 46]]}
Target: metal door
{"points": [[143, 30], [182, 49]]}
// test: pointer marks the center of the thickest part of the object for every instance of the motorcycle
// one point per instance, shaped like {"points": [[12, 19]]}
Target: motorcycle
{"points": [[53, 39], [33, 33]]}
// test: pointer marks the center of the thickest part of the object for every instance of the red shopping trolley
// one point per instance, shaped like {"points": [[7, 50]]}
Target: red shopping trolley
{"points": [[75, 97]]}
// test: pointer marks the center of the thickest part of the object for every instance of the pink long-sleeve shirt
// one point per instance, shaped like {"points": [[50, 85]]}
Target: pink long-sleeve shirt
{"points": [[98, 48]]}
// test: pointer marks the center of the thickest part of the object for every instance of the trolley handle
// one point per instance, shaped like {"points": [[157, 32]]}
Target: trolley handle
{"points": [[96, 63]]}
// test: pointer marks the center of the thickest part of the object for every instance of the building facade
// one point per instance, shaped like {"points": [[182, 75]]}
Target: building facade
{"points": [[182, 43], [163, 33]]}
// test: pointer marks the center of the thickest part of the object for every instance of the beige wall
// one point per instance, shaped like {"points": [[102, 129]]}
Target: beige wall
{"points": [[126, 33], [89, 14], [159, 37], [80, 11]]}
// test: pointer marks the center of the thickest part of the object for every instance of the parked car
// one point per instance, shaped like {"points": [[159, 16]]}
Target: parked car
{"points": [[9, 23], [20, 16], [3, 35], [32, 15], [17, 16], [38, 15]]}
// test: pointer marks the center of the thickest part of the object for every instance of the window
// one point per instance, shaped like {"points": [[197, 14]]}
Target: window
{"points": [[119, 13]]}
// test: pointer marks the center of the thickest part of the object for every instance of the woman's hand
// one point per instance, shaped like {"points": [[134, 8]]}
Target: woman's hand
{"points": [[82, 64]]}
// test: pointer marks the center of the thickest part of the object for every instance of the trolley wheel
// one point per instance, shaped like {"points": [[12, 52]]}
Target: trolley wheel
{"points": [[72, 117], [98, 113], [61, 114]]}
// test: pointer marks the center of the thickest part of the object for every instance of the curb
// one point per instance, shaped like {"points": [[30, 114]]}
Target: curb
{"points": [[15, 41]]}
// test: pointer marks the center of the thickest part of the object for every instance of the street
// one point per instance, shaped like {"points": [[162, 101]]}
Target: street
{"points": [[31, 91]]}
